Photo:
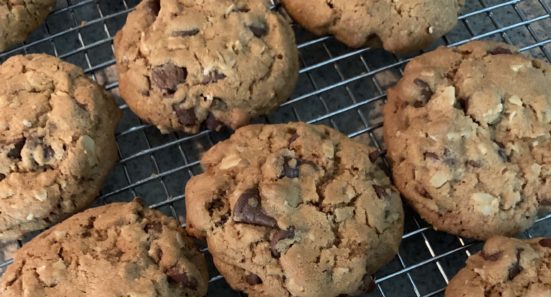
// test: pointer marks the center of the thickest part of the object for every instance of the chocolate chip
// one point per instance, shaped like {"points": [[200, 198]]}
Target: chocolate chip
{"points": [[368, 284], [491, 257], [48, 152], [475, 164], [248, 210], [90, 224], [291, 168], [2, 176], [168, 76], [253, 279], [212, 77], [278, 236], [423, 192], [462, 104], [431, 155], [503, 155], [155, 226], [294, 137], [546, 242], [258, 30], [213, 124], [186, 117], [185, 33], [426, 93], [500, 51], [179, 277], [15, 153], [381, 192], [515, 269], [153, 6]]}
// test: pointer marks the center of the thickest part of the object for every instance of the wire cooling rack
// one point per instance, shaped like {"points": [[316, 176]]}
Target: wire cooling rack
{"points": [[340, 87]]}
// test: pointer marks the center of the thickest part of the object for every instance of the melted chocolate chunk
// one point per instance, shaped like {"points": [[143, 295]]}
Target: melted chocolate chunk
{"points": [[213, 124], [178, 277], [431, 155], [213, 77], [168, 77], [186, 117], [293, 138], [475, 164], [155, 226], [290, 171], [546, 242], [248, 210], [253, 279], [15, 153], [500, 51], [2, 176], [491, 257], [277, 237], [426, 93], [185, 33], [258, 30], [515, 269], [153, 7], [381, 192]]}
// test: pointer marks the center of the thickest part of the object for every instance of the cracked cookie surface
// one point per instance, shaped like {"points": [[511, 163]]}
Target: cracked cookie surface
{"points": [[506, 267], [57, 142], [468, 135], [295, 210], [121, 249], [182, 63], [18, 18], [399, 26]]}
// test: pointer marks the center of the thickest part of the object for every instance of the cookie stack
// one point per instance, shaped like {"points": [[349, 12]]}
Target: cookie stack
{"points": [[288, 209]]}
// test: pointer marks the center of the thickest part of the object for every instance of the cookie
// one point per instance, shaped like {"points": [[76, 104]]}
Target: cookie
{"points": [[182, 63], [57, 142], [18, 18], [121, 249], [295, 210], [468, 136], [506, 267], [398, 26]]}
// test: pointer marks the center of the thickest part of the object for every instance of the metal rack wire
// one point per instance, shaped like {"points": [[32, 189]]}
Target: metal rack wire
{"points": [[340, 87]]}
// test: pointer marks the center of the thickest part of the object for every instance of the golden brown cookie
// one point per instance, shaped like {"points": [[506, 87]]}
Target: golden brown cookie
{"points": [[398, 26], [468, 132], [121, 249], [57, 142], [182, 63], [295, 210], [506, 267]]}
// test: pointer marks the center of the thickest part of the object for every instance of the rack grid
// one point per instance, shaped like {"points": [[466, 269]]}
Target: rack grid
{"points": [[340, 87]]}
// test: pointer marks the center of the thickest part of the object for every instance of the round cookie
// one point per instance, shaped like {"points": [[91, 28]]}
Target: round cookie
{"points": [[57, 142], [468, 136], [295, 210], [121, 249], [398, 26], [18, 18], [182, 63], [506, 267]]}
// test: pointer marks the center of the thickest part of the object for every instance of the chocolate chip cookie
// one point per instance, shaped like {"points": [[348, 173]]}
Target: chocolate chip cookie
{"points": [[398, 26], [295, 210], [57, 142], [506, 267], [18, 18], [468, 132], [183, 63], [121, 249]]}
